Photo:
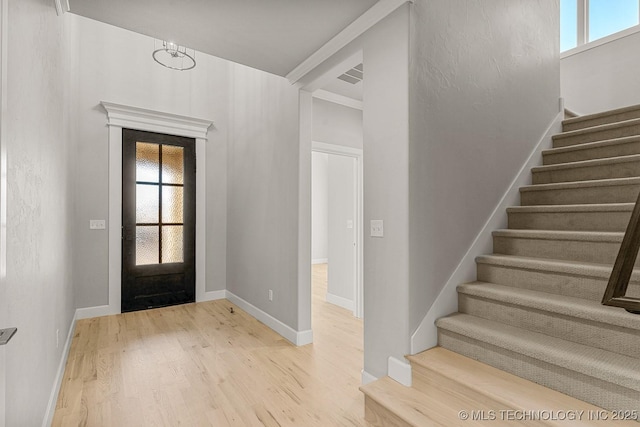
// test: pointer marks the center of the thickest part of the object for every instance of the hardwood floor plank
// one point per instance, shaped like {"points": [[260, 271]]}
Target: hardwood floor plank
{"points": [[201, 365]]}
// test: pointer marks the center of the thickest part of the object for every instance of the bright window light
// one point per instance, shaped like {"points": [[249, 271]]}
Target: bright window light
{"points": [[583, 21], [568, 24], [610, 16]]}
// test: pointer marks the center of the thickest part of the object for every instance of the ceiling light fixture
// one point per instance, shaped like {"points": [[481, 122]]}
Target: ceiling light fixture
{"points": [[174, 56]]}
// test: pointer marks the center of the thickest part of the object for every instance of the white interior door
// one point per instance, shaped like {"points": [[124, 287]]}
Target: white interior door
{"points": [[342, 226]]}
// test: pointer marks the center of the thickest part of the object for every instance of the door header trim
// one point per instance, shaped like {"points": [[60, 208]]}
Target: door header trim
{"points": [[126, 116]]}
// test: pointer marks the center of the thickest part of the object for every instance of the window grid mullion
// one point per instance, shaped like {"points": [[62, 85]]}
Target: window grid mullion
{"points": [[160, 206], [583, 22]]}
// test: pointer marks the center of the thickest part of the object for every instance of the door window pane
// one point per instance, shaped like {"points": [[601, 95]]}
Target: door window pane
{"points": [[172, 238], [147, 245], [172, 211], [147, 162], [610, 16], [568, 24], [147, 203], [172, 164]]}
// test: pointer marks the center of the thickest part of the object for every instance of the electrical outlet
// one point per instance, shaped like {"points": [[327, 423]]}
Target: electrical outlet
{"points": [[270, 295], [57, 338]]}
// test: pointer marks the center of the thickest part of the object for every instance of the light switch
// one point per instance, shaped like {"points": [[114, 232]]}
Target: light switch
{"points": [[97, 224], [349, 224], [377, 228]]}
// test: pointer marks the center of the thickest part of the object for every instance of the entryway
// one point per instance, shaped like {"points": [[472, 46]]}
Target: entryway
{"points": [[158, 220]]}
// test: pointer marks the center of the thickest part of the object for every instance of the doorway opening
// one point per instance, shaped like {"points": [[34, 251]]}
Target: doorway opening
{"points": [[158, 220], [337, 226]]}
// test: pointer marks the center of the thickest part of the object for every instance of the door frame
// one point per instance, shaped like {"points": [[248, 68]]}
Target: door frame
{"points": [[124, 116], [356, 154], [4, 10]]}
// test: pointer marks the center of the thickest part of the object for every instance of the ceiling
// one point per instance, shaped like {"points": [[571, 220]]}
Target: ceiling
{"points": [[271, 35]]}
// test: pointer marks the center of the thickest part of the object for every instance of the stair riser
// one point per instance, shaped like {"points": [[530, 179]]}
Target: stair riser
{"points": [[572, 285], [582, 195], [597, 135], [594, 334], [570, 221], [570, 250], [378, 415], [599, 152], [617, 170], [604, 120], [595, 391], [425, 380]]}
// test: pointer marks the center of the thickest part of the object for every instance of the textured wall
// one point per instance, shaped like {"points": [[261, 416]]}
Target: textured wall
{"points": [[602, 78], [39, 285], [115, 65], [262, 226], [484, 88]]}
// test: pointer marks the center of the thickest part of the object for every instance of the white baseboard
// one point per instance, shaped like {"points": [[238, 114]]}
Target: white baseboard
{"points": [[106, 310], [340, 301], [213, 295], [89, 312], [367, 378], [53, 399], [320, 261], [426, 335], [399, 371], [298, 338]]}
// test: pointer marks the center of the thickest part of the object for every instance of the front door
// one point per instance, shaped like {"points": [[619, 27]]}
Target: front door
{"points": [[158, 220]]}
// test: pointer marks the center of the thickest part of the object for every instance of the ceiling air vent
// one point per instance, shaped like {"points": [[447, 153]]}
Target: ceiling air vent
{"points": [[353, 76]]}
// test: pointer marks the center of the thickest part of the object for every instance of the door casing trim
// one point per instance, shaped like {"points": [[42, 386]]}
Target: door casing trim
{"points": [[124, 116]]}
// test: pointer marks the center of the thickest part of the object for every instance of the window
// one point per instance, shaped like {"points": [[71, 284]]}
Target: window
{"points": [[584, 21]]}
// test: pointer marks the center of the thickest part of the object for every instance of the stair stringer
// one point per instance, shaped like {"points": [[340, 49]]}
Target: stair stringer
{"points": [[426, 334]]}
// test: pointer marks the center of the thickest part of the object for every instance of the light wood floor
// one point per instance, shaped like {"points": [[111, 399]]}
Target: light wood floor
{"points": [[200, 365]]}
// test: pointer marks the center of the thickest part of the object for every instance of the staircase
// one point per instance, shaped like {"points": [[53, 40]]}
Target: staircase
{"points": [[534, 313]]}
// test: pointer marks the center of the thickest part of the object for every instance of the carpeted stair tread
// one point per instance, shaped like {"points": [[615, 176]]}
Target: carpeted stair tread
{"points": [[566, 306], [609, 161], [508, 390], [578, 279], [610, 217], [597, 133], [596, 207], [561, 235], [556, 266], [585, 170], [582, 184], [581, 152], [601, 364], [611, 116]]}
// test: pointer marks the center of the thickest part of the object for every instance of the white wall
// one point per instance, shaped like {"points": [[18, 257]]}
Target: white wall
{"points": [[484, 88], [385, 49], [342, 209], [39, 282], [115, 65], [336, 124], [263, 170], [603, 77], [319, 207]]}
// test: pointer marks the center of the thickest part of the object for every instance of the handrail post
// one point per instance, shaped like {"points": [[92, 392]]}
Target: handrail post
{"points": [[615, 294]]}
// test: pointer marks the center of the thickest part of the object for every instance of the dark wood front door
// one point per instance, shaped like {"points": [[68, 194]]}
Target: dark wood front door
{"points": [[158, 220]]}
